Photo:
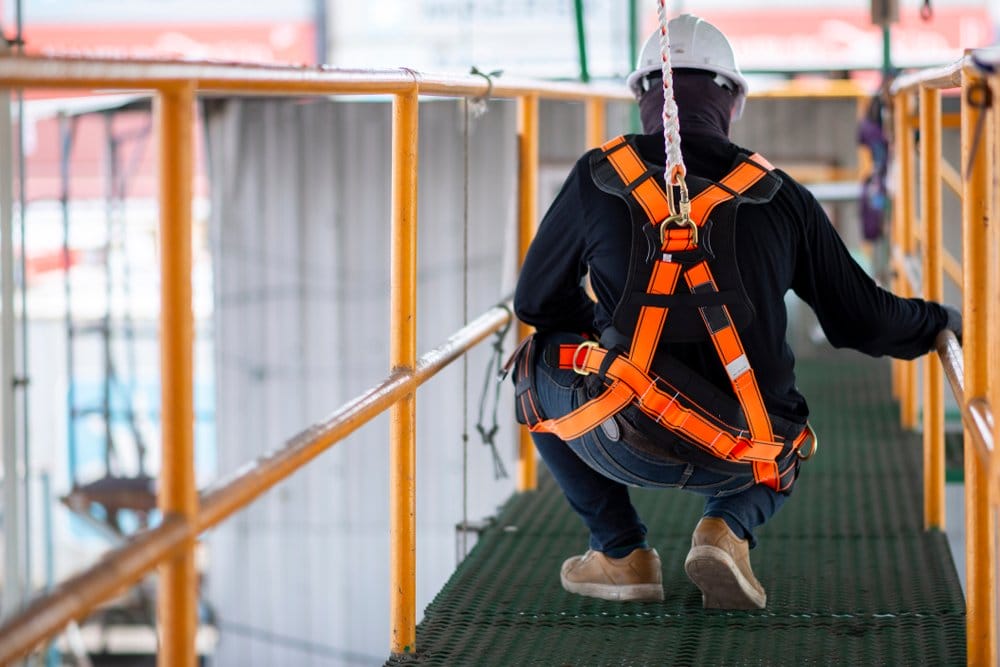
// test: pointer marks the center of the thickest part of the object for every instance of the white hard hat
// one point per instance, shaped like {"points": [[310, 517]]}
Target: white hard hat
{"points": [[694, 44]]}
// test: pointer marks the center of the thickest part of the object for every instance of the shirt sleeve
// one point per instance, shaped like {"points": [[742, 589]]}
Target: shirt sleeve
{"points": [[549, 293], [852, 309]]}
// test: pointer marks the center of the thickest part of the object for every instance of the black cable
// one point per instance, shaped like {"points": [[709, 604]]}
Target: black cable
{"points": [[494, 375]]}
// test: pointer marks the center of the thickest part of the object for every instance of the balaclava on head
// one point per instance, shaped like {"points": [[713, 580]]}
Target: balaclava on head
{"points": [[703, 106]]}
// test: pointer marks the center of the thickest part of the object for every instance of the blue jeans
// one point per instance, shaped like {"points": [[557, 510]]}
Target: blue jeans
{"points": [[595, 470]]}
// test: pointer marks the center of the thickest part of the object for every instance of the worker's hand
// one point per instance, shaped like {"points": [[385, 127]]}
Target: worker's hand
{"points": [[954, 320]]}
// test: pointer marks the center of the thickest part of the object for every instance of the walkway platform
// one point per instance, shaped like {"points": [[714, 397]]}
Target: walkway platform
{"points": [[852, 578]]}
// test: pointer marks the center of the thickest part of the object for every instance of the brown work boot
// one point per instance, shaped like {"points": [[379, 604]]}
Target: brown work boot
{"points": [[719, 564], [634, 577]]}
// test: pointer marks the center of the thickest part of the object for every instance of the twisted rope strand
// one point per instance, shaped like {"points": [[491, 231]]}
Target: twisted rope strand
{"points": [[671, 124]]}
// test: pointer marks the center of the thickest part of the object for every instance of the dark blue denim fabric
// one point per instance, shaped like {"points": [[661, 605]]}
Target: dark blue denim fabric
{"points": [[594, 472]]}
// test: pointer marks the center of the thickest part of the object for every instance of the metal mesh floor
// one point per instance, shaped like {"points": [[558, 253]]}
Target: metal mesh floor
{"points": [[852, 579]]}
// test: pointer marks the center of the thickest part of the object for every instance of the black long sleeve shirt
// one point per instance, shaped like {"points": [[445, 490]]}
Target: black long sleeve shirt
{"points": [[786, 244]]}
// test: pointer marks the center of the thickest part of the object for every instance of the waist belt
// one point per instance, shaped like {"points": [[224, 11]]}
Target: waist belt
{"points": [[668, 408]]}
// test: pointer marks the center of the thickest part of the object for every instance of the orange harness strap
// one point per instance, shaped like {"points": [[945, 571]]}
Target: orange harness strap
{"points": [[631, 373]]}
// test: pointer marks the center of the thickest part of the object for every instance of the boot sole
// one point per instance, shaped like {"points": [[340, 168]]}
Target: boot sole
{"points": [[722, 584], [622, 593]]}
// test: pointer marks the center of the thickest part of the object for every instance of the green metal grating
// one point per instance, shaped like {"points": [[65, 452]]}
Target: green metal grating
{"points": [[852, 579]]}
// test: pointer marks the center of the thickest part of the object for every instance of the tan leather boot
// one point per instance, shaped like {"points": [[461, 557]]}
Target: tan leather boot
{"points": [[634, 577], [719, 564]]}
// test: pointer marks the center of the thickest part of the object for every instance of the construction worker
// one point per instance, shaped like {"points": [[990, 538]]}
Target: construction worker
{"points": [[615, 402]]}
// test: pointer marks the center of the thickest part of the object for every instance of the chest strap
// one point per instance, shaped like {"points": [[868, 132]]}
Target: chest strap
{"points": [[629, 374]]}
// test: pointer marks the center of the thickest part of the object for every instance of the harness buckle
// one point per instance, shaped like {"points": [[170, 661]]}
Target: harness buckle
{"points": [[812, 450], [590, 345], [680, 220]]}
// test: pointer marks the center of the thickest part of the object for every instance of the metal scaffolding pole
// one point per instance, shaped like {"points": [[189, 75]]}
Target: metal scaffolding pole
{"points": [[13, 545]]}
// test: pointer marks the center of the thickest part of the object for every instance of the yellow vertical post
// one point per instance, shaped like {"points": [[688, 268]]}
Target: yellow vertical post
{"points": [[900, 144], [865, 166], [993, 351], [980, 530], [527, 210], [908, 373], [403, 357], [178, 581], [596, 122], [933, 288]]}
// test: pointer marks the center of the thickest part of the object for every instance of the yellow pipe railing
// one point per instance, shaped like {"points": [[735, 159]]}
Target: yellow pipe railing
{"points": [[904, 372], [177, 597], [980, 556], [973, 370], [527, 210], [596, 122], [170, 544], [125, 565], [933, 288], [403, 359], [186, 514]]}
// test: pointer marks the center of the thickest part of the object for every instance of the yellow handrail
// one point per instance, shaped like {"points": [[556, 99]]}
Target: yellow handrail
{"points": [[170, 545], [186, 513], [403, 358], [973, 369], [177, 600], [933, 289], [125, 565], [527, 210]]}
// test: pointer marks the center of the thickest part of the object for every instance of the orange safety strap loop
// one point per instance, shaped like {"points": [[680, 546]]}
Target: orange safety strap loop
{"points": [[766, 472], [679, 239], [588, 415]]}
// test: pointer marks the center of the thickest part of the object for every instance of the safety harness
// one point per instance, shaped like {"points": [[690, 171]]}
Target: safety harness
{"points": [[679, 248]]}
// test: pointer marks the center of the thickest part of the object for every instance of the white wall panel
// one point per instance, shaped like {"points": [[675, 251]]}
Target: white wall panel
{"points": [[300, 194]]}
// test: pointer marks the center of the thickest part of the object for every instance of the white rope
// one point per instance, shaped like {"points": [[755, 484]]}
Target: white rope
{"points": [[675, 169], [671, 124]]}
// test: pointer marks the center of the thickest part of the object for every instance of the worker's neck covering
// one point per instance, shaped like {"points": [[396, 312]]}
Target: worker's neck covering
{"points": [[704, 107]]}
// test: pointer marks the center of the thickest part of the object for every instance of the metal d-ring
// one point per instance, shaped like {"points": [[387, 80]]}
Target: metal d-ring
{"points": [[812, 450], [588, 344], [681, 221]]}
